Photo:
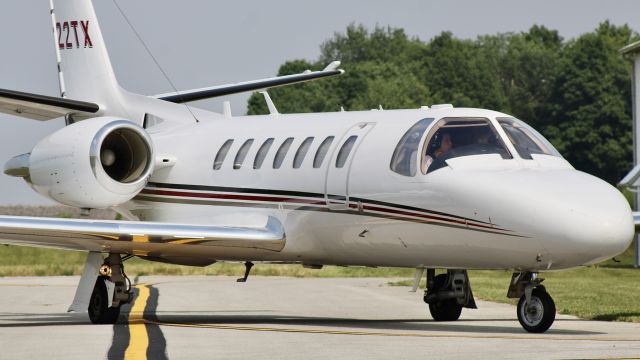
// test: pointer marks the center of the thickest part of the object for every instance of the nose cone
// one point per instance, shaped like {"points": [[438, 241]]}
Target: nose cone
{"points": [[577, 218], [601, 219], [582, 219]]}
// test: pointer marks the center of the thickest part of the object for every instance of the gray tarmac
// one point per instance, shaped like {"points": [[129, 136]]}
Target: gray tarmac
{"points": [[193, 317]]}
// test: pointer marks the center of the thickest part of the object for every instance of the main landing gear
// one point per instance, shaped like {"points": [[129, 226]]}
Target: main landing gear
{"points": [[112, 290], [536, 309], [447, 294]]}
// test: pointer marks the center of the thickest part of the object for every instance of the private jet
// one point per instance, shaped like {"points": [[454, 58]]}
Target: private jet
{"points": [[438, 188]]}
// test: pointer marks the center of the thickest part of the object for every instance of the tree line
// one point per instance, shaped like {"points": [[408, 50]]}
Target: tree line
{"points": [[576, 92]]}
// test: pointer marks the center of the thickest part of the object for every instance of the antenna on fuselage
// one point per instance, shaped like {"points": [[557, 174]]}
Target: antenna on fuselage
{"points": [[144, 45]]}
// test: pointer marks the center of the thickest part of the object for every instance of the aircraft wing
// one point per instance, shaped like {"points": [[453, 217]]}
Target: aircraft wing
{"points": [[141, 238], [262, 84], [42, 107]]}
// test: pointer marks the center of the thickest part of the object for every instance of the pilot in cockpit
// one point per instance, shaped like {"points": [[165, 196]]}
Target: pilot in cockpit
{"points": [[440, 144]]}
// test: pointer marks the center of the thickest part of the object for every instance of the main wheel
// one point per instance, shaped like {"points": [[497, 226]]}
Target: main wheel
{"points": [[539, 314], [444, 310], [99, 312]]}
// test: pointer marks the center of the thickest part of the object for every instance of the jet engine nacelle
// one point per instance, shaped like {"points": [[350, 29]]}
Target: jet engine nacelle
{"points": [[96, 163]]}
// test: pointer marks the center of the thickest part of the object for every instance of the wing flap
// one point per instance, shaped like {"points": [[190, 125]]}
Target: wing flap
{"points": [[262, 84], [42, 107], [140, 238]]}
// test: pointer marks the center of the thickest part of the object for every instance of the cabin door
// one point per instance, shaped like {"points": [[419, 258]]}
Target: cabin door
{"points": [[337, 181]]}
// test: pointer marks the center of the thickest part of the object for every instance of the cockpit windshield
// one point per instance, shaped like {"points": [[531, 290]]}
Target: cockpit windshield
{"points": [[525, 139], [456, 137]]}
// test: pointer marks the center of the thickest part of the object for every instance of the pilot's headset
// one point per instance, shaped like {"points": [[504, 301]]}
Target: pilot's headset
{"points": [[436, 142]]}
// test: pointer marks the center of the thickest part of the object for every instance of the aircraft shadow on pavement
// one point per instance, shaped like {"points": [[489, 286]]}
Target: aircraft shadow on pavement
{"points": [[248, 317], [253, 317], [55, 319], [414, 325]]}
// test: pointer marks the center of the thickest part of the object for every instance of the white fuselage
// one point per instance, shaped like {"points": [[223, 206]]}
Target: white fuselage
{"points": [[480, 211]]}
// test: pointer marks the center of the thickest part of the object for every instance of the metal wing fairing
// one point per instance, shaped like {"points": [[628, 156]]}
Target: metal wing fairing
{"points": [[146, 239]]}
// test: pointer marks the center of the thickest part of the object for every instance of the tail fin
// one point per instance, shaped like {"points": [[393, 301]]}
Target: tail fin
{"points": [[83, 62]]}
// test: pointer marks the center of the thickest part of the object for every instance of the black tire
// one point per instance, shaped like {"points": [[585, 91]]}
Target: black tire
{"points": [[541, 313], [99, 313], [444, 310]]}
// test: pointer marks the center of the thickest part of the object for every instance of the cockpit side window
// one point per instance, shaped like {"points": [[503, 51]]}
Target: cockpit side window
{"points": [[525, 139], [457, 137], [404, 157]]}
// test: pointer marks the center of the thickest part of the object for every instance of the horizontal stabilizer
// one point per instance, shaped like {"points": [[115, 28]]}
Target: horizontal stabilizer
{"points": [[42, 107], [255, 85], [141, 238]]}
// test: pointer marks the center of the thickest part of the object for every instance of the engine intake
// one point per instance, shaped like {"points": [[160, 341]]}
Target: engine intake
{"points": [[124, 152]]}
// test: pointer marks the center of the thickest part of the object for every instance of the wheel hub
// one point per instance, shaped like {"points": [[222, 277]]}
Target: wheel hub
{"points": [[533, 312]]}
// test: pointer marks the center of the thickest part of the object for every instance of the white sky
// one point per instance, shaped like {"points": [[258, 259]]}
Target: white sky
{"points": [[201, 43]]}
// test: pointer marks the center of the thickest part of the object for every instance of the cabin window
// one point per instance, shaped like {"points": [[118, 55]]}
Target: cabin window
{"points": [[302, 152], [405, 156], [345, 150], [322, 152], [262, 153], [242, 154], [222, 154], [525, 139], [457, 137], [282, 152]]}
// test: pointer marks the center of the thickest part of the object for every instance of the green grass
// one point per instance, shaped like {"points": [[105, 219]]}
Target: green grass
{"points": [[27, 261], [609, 291]]}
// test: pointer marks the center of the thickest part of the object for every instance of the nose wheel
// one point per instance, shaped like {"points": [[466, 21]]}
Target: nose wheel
{"points": [[536, 309], [538, 313]]}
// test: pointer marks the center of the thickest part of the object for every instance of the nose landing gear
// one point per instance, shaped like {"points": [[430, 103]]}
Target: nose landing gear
{"points": [[536, 308]]}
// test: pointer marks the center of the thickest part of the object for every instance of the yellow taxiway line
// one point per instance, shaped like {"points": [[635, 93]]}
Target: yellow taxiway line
{"points": [[139, 339]]}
